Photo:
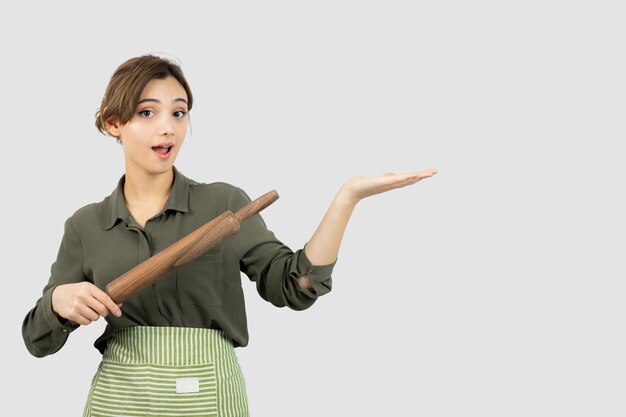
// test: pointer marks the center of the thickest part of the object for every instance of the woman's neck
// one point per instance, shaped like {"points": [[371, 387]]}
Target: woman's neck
{"points": [[144, 189]]}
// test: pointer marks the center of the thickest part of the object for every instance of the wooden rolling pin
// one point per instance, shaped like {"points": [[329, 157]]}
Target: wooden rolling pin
{"points": [[184, 250]]}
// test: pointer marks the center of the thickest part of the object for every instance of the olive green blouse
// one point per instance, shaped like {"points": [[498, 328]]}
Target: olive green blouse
{"points": [[102, 241]]}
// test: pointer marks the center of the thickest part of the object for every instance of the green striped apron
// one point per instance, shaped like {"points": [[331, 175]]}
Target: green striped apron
{"points": [[168, 371]]}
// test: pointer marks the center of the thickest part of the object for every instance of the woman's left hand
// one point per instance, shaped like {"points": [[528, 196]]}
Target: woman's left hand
{"points": [[357, 188]]}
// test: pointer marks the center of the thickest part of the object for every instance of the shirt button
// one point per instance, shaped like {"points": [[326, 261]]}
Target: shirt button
{"points": [[64, 330]]}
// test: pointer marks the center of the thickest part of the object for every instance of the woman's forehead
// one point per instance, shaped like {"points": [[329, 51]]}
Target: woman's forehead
{"points": [[167, 89]]}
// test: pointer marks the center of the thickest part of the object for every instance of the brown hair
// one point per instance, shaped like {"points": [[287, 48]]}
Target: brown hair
{"points": [[127, 83]]}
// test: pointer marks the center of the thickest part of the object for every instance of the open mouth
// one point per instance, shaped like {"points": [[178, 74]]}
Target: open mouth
{"points": [[163, 151]]}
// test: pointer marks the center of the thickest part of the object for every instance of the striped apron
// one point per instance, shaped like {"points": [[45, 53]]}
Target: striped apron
{"points": [[168, 371]]}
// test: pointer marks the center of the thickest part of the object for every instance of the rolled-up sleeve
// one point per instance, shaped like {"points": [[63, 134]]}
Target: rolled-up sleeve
{"points": [[273, 265], [43, 331]]}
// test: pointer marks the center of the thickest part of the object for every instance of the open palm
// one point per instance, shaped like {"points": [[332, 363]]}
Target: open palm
{"points": [[358, 188]]}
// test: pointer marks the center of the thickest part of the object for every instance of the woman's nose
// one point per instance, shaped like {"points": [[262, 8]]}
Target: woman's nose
{"points": [[167, 127]]}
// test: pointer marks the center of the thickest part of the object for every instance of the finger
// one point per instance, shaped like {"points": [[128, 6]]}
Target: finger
{"points": [[80, 320], [414, 177], [423, 174], [98, 307], [398, 179], [87, 313], [399, 183], [411, 175], [89, 299], [106, 300], [428, 172]]}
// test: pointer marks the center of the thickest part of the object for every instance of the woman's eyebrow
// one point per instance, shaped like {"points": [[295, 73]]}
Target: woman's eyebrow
{"points": [[159, 101]]}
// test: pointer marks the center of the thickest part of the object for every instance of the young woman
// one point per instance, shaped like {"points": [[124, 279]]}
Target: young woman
{"points": [[170, 349]]}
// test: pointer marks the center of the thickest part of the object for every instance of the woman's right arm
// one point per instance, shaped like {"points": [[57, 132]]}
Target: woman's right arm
{"points": [[68, 300]]}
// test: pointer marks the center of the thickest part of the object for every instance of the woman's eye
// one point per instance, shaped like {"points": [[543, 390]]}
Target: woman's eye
{"points": [[143, 112], [180, 113]]}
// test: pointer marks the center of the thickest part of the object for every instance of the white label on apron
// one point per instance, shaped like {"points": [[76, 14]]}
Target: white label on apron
{"points": [[186, 385]]}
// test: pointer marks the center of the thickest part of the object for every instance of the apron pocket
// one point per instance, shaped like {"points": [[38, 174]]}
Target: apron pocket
{"points": [[183, 390], [147, 389]]}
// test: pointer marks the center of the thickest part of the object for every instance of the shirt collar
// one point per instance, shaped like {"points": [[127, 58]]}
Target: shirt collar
{"points": [[178, 199]]}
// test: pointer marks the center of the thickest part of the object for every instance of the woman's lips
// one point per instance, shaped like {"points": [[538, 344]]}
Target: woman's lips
{"points": [[159, 151]]}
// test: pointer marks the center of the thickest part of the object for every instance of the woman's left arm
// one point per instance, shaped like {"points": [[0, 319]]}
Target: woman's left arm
{"points": [[323, 247]]}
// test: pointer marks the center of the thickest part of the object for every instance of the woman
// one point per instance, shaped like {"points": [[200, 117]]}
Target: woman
{"points": [[171, 350]]}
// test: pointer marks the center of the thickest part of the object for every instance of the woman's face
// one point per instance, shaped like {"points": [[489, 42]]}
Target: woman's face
{"points": [[155, 134]]}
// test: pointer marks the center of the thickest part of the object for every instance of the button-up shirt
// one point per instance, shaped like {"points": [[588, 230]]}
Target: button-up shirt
{"points": [[101, 241]]}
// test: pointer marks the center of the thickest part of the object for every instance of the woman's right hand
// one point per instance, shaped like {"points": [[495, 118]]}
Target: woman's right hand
{"points": [[82, 302]]}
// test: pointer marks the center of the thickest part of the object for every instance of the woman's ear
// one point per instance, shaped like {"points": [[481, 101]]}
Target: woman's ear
{"points": [[113, 126]]}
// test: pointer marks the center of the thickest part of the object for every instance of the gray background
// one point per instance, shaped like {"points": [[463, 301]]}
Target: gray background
{"points": [[495, 288]]}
